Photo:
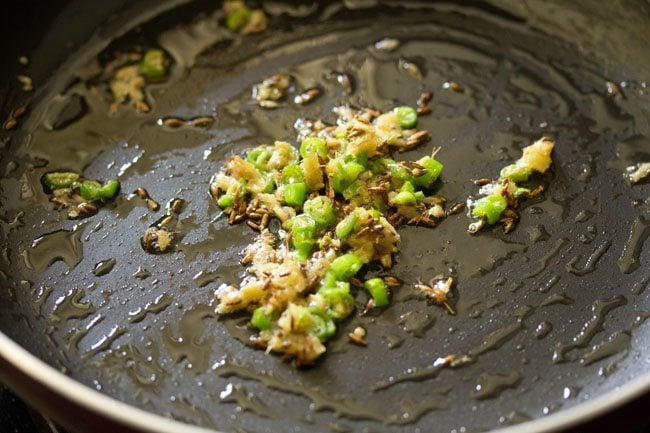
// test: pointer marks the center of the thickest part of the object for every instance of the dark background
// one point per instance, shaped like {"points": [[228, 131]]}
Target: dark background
{"points": [[634, 417]]}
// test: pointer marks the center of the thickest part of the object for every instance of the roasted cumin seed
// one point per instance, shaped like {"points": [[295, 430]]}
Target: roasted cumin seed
{"points": [[457, 208], [391, 281], [453, 86], [176, 205], [142, 193], [410, 68], [202, 122], [19, 112], [482, 181], [9, 124], [152, 204], [173, 122], [253, 225], [87, 209], [387, 44], [307, 96], [166, 221]]}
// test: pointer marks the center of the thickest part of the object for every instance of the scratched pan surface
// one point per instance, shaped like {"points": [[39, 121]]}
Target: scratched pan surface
{"points": [[551, 316]]}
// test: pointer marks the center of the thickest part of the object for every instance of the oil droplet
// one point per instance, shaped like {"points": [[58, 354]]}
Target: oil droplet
{"points": [[629, 260], [416, 323], [70, 306], [640, 286], [543, 329], [543, 262], [245, 400], [104, 267], [40, 295], [105, 341], [514, 418], [62, 245], [142, 368], [343, 407], [549, 409], [592, 260], [600, 309], [191, 344], [557, 298], [616, 343], [142, 273], [203, 278], [492, 385], [159, 304], [570, 392], [496, 339]]}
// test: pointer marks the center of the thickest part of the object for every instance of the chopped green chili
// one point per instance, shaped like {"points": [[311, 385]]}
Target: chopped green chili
{"points": [[313, 145], [405, 198], [58, 180], [345, 267], [93, 190], [406, 116], [433, 169], [515, 172], [490, 207], [377, 289], [262, 319], [295, 193], [237, 19], [153, 63], [292, 173], [320, 209], [346, 226]]}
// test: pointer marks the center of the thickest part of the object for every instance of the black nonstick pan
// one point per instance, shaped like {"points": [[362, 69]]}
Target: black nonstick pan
{"points": [[551, 318]]}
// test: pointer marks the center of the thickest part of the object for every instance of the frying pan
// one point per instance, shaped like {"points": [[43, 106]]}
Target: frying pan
{"points": [[552, 317]]}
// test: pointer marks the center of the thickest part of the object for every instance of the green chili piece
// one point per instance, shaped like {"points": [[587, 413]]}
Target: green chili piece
{"points": [[346, 175], [320, 209], [515, 172], [303, 230], [90, 189], [58, 180], [406, 116], [346, 226], [377, 289], [263, 318], [380, 165], [225, 201], [313, 145], [93, 190], [322, 325], [346, 266], [400, 173], [341, 302], [237, 19], [270, 185], [362, 158], [153, 63], [433, 170], [521, 191], [405, 198], [259, 157], [408, 187], [292, 173], [110, 189], [490, 207], [295, 193]]}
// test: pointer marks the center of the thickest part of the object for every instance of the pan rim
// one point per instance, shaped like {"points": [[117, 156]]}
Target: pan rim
{"points": [[144, 421]]}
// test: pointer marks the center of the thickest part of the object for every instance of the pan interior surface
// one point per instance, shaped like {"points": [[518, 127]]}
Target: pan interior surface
{"points": [[547, 317]]}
